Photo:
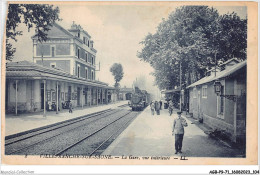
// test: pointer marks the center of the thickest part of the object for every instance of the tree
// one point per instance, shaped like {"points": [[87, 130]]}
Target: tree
{"points": [[117, 72], [32, 15], [193, 38], [233, 39]]}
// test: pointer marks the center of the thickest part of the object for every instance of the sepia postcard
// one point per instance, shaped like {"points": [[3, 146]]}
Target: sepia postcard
{"points": [[130, 83]]}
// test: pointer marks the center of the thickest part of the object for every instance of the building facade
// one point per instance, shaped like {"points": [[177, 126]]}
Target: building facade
{"points": [[31, 87], [226, 111], [63, 70], [70, 50]]}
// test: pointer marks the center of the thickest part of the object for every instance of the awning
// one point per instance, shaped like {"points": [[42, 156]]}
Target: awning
{"points": [[170, 91], [30, 71]]}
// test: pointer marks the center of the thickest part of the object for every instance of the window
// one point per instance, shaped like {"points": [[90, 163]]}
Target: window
{"points": [[89, 58], [92, 60], [79, 34], [78, 53], [53, 65], [222, 101], [86, 73], [204, 91], [78, 71], [88, 43], [52, 51], [84, 40], [194, 92], [86, 57], [92, 75]]}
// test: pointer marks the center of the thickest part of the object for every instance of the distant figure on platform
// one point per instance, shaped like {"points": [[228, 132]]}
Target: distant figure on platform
{"points": [[160, 104], [152, 107], [170, 108], [178, 129], [70, 106], [157, 107]]}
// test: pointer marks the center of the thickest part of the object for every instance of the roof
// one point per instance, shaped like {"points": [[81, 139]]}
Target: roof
{"points": [[228, 61], [62, 33], [231, 70], [203, 81], [220, 75], [170, 91], [30, 70], [65, 34], [126, 90]]}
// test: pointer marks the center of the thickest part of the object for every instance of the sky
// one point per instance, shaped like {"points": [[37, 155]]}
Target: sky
{"points": [[117, 31]]}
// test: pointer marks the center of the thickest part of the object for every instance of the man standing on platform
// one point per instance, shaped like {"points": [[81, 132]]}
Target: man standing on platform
{"points": [[70, 106], [160, 104], [170, 107], [178, 129], [157, 107], [152, 107]]}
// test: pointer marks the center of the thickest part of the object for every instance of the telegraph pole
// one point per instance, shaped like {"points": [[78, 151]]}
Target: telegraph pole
{"points": [[180, 84]]}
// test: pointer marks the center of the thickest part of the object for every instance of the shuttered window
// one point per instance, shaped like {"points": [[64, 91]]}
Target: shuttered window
{"points": [[204, 91]]}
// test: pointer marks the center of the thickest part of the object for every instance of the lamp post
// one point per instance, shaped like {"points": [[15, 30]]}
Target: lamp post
{"points": [[44, 98], [180, 85], [180, 80], [217, 88]]}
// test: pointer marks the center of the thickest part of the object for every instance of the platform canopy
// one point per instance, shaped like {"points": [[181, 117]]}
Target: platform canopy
{"points": [[171, 91], [26, 70]]}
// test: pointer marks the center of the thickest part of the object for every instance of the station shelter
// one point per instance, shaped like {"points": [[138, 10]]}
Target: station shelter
{"points": [[32, 87], [224, 111]]}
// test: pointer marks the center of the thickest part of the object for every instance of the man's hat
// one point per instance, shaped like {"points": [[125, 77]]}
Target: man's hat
{"points": [[179, 112]]}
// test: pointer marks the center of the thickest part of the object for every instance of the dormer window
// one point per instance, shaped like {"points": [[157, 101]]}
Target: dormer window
{"points": [[79, 34], [88, 43], [84, 40]]}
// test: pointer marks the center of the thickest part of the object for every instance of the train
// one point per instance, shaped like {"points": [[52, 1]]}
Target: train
{"points": [[139, 100]]}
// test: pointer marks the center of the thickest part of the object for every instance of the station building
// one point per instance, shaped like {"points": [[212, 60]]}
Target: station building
{"points": [[225, 111], [63, 69]]}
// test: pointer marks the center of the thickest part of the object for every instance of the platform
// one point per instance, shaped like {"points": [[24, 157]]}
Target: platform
{"points": [[15, 124], [151, 135]]}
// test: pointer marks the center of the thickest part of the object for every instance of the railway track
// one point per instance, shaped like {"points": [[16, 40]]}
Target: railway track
{"points": [[27, 134], [31, 133], [124, 105], [22, 141], [99, 149], [93, 134], [65, 136]]}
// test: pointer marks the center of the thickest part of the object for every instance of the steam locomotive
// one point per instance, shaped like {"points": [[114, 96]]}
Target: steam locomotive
{"points": [[140, 99]]}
